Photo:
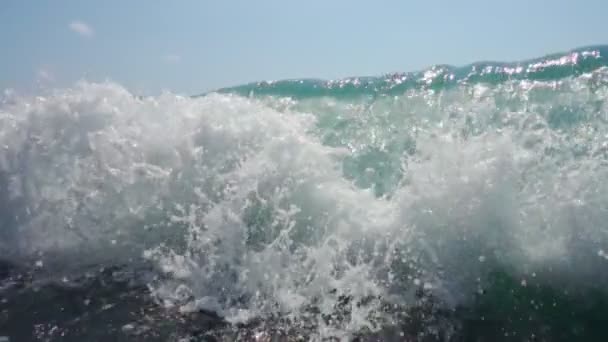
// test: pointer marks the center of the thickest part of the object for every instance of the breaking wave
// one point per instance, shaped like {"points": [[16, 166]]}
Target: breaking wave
{"points": [[333, 204]]}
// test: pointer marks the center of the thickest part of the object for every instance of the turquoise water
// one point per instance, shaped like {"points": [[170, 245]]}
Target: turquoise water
{"points": [[439, 77], [456, 203]]}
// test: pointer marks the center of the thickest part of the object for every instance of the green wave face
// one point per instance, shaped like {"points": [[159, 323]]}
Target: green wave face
{"points": [[440, 77]]}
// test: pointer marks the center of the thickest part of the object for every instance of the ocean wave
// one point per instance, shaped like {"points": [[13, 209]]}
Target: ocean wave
{"points": [[438, 77], [303, 202]]}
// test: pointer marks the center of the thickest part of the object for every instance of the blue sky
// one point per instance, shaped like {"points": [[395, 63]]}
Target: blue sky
{"points": [[191, 46]]}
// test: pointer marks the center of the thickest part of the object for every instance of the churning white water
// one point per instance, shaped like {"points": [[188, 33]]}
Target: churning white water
{"points": [[253, 207]]}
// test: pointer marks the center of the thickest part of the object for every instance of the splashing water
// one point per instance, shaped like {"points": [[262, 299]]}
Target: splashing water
{"points": [[331, 204]]}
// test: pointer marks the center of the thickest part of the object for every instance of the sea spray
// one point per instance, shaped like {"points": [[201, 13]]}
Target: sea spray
{"points": [[335, 206]]}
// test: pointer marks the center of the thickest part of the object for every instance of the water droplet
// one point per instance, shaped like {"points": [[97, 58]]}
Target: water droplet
{"points": [[128, 327]]}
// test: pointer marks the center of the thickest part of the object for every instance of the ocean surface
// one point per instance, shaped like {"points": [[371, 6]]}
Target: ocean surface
{"points": [[451, 204]]}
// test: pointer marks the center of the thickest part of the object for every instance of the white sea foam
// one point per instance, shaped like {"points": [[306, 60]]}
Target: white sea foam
{"points": [[266, 206]]}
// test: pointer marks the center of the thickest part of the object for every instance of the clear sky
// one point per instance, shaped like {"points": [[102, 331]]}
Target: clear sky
{"points": [[190, 46]]}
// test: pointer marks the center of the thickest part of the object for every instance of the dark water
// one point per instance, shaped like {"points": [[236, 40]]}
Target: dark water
{"points": [[113, 304]]}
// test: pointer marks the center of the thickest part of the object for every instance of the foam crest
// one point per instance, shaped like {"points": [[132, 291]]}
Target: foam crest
{"points": [[335, 214]]}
